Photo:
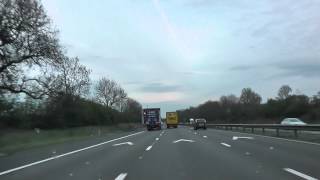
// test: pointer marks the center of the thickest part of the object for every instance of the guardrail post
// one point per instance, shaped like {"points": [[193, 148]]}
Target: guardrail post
{"points": [[252, 130], [226, 127], [243, 128], [263, 130], [295, 133], [277, 132]]}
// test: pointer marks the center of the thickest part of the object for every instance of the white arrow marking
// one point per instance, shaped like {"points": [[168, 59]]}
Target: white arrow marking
{"points": [[128, 143], [236, 138], [181, 140], [121, 176]]}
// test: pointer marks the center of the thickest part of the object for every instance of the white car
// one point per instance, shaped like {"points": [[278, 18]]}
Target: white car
{"points": [[292, 121], [191, 121]]}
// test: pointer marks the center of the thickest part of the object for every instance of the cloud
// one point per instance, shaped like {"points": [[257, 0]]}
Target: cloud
{"points": [[213, 3], [199, 3], [159, 87], [160, 97], [303, 68], [196, 73], [241, 68]]}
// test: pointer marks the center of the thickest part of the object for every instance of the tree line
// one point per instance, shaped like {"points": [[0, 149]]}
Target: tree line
{"points": [[248, 108], [40, 86]]}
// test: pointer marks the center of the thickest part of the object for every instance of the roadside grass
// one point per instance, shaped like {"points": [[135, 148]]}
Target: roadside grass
{"points": [[12, 140]]}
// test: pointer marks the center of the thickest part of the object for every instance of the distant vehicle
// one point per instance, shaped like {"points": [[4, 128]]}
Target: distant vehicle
{"points": [[172, 119], [292, 121], [151, 118], [200, 123], [191, 121]]}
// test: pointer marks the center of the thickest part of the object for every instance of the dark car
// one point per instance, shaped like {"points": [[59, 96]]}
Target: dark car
{"points": [[200, 123]]}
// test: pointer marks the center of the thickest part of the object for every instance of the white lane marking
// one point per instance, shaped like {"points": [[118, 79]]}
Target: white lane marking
{"points": [[121, 176], [297, 173], [271, 148], [225, 144], [70, 174], [183, 140], [195, 133], [236, 138], [148, 148], [66, 154], [298, 141], [248, 153], [157, 139], [140, 157], [205, 136], [128, 143], [160, 134]]}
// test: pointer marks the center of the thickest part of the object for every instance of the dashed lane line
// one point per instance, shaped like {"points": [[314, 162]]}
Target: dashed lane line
{"points": [[225, 144]]}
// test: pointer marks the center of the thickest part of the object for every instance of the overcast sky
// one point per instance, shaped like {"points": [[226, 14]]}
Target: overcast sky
{"points": [[178, 53]]}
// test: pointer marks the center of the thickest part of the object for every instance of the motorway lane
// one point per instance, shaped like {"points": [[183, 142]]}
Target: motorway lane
{"points": [[35, 154], [206, 158], [103, 162], [279, 153], [155, 156]]}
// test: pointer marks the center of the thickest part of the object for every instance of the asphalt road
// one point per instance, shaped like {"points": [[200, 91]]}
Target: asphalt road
{"points": [[180, 153]]}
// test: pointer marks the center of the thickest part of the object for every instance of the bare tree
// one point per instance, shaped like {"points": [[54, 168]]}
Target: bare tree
{"points": [[109, 93], [284, 92], [131, 105], [249, 97], [73, 78], [26, 41], [230, 99]]}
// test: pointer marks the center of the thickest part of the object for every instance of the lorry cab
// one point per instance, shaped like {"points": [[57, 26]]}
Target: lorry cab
{"points": [[151, 118]]}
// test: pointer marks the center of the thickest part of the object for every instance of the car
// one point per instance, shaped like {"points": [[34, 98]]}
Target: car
{"points": [[191, 120], [292, 121], [200, 123]]}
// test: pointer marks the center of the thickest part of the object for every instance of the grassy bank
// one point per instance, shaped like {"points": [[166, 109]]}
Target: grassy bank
{"points": [[12, 140]]}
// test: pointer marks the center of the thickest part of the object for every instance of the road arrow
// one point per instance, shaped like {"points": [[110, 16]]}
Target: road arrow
{"points": [[183, 140], [236, 138], [128, 143]]}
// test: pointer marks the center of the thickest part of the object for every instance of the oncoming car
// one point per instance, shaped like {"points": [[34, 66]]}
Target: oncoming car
{"points": [[199, 123], [292, 121]]}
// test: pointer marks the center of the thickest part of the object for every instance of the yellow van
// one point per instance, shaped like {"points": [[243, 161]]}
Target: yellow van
{"points": [[172, 119]]}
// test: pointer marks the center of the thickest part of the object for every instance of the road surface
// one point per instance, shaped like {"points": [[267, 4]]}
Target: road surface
{"points": [[180, 153]]}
